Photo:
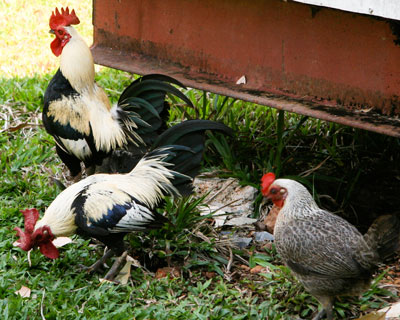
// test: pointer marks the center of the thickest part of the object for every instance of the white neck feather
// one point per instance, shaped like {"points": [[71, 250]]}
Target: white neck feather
{"points": [[299, 203], [76, 62]]}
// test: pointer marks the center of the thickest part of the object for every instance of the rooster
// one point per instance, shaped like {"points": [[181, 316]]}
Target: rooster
{"points": [[108, 206], [326, 253], [78, 114]]}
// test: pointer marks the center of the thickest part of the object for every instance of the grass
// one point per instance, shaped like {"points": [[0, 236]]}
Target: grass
{"points": [[335, 162]]}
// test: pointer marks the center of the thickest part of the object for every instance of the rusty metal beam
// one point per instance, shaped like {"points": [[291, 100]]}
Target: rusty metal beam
{"points": [[325, 63]]}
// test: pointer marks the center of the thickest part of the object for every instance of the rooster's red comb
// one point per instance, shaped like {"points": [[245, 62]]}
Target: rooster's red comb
{"points": [[25, 237], [65, 18], [31, 217], [266, 180]]}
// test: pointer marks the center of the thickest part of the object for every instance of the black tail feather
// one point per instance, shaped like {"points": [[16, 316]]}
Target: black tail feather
{"points": [[187, 143], [190, 133], [174, 154], [144, 99]]}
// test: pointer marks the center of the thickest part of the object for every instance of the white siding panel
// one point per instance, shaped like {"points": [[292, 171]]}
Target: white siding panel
{"points": [[381, 8]]}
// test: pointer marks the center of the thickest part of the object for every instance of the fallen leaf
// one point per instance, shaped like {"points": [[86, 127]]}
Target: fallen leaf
{"points": [[125, 273], [102, 280], [374, 316], [270, 219], [242, 80], [244, 267], [268, 246], [20, 126], [61, 241], [366, 110], [210, 274], [257, 269], [24, 292], [134, 262], [173, 272]]}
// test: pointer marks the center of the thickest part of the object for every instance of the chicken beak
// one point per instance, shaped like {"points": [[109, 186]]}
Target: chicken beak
{"points": [[52, 31]]}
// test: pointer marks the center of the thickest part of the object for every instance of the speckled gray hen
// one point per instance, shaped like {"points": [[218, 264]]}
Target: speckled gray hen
{"points": [[328, 255]]}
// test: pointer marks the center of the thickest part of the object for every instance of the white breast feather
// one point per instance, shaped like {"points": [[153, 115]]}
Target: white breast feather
{"points": [[79, 148], [107, 131]]}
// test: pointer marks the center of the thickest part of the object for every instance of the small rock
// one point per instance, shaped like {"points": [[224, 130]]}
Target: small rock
{"points": [[240, 221], [263, 236], [241, 242], [393, 312]]}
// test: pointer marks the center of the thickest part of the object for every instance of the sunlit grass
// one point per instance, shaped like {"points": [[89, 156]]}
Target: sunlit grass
{"points": [[24, 35]]}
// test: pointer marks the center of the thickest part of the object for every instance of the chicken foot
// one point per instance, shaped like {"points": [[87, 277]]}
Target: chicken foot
{"points": [[99, 263], [327, 305], [115, 267]]}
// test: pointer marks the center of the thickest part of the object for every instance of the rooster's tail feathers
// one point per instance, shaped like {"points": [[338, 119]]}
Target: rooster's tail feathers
{"points": [[144, 104]]}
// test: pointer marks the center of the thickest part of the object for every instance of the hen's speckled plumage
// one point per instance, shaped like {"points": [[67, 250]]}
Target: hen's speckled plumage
{"points": [[328, 255]]}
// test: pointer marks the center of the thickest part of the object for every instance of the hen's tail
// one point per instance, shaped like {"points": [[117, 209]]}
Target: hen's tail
{"points": [[384, 236]]}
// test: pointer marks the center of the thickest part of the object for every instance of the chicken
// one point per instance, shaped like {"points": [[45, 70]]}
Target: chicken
{"points": [[328, 255], [78, 114], [190, 133], [108, 206]]}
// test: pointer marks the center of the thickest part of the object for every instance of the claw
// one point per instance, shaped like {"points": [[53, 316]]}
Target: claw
{"points": [[95, 267], [115, 267]]}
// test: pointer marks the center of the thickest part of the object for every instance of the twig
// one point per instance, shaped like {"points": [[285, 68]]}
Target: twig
{"points": [[20, 126], [224, 206], [229, 265], [29, 258], [226, 185], [41, 305], [308, 172]]}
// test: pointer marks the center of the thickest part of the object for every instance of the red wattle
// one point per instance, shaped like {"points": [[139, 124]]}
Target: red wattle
{"points": [[49, 250], [25, 239], [279, 203], [56, 47]]}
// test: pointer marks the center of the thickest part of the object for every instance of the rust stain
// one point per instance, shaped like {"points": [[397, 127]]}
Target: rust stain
{"points": [[330, 64]]}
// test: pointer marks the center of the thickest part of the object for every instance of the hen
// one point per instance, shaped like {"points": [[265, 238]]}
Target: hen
{"points": [[328, 255]]}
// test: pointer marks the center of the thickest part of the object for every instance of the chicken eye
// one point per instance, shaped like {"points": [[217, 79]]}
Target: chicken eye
{"points": [[273, 191], [60, 32]]}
